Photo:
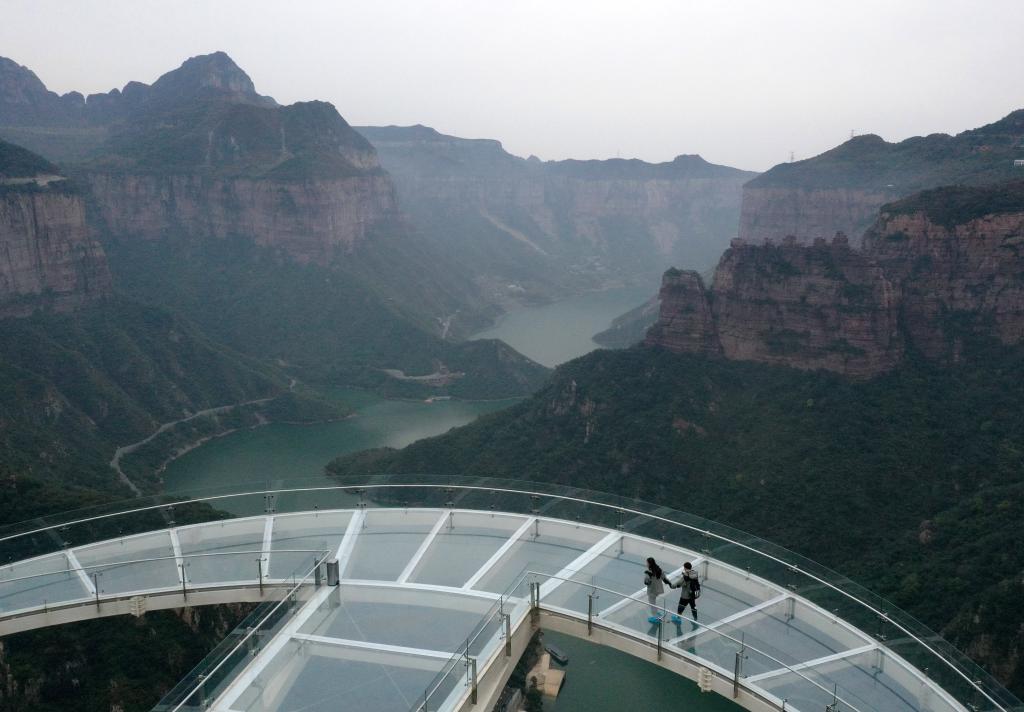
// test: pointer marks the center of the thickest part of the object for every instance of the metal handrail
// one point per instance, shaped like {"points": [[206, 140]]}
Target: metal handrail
{"points": [[741, 643], [114, 564], [537, 574], [251, 632], [563, 497]]}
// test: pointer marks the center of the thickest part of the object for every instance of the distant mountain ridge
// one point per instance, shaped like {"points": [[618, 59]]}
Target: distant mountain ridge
{"points": [[24, 98], [533, 230], [842, 189]]}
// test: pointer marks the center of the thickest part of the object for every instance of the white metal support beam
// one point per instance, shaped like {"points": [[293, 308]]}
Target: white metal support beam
{"points": [[348, 540], [817, 661], [730, 619], [427, 587], [502, 550], [579, 562], [276, 644], [420, 552], [76, 566], [377, 647], [179, 560], [268, 533]]}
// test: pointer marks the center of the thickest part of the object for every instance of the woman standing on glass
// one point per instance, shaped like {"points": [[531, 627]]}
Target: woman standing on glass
{"points": [[655, 580]]}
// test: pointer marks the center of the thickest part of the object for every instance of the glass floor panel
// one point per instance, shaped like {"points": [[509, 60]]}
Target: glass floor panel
{"points": [[50, 582], [621, 569], [320, 531], [387, 542], [556, 546], [243, 535], [788, 632], [722, 594], [310, 677], [119, 577], [457, 554], [414, 619], [869, 681]]}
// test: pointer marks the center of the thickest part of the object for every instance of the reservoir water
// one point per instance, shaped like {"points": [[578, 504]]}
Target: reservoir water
{"points": [[282, 452], [551, 334], [602, 679], [558, 332]]}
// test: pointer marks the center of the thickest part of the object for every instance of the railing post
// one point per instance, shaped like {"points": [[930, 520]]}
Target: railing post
{"points": [[590, 614], [202, 691], [259, 569], [508, 634], [535, 601], [661, 627], [96, 589], [472, 681], [184, 591], [736, 675]]}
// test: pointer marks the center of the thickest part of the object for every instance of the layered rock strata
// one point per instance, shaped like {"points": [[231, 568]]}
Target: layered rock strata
{"points": [[313, 221], [48, 256], [920, 283], [771, 213]]}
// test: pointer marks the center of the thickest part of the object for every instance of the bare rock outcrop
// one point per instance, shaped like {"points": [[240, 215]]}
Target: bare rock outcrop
{"points": [[685, 323], [808, 213], [958, 278], [935, 269], [313, 221], [48, 256], [824, 306]]}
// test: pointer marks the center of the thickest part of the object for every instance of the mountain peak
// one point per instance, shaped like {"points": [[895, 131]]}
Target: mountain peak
{"points": [[208, 76]]}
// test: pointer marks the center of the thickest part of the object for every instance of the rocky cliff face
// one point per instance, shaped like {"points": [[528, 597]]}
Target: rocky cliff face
{"points": [[313, 221], [48, 255], [824, 306], [772, 213], [685, 321], [843, 189], [205, 157], [927, 277], [957, 278]]}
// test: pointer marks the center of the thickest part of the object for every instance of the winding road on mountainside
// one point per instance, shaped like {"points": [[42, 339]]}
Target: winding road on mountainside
{"points": [[115, 462]]}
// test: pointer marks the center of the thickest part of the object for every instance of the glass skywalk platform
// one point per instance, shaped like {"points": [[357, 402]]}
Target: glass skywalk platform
{"points": [[406, 594]]}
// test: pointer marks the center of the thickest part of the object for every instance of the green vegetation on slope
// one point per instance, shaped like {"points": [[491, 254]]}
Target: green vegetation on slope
{"points": [[910, 483], [217, 137], [343, 324], [982, 155], [959, 204], [73, 387], [17, 162]]}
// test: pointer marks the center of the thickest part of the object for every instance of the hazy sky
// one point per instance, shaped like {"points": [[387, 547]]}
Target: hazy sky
{"points": [[741, 83]]}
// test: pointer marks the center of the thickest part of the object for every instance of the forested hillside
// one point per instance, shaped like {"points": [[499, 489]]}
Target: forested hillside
{"points": [[909, 483]]}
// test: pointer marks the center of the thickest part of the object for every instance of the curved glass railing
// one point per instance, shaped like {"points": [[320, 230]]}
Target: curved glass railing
{"points": [[735, 660], [894, 629]]}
